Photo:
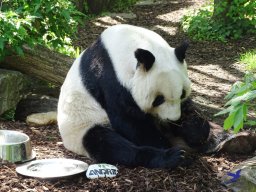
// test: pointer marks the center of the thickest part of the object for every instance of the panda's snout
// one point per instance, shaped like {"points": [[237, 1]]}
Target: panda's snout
{"points": [[174, 118], [174, 115], [169, 111]]}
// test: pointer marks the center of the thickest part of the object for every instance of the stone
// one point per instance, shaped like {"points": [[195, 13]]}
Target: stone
{"points": [[145, 2], [12, 84], [123, 16], [150, 2], [35, 103], [242, 177], [42, 119], [101, 170]]}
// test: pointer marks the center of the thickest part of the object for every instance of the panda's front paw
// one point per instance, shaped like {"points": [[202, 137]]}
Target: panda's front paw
{"points": [[169, 158], [160, 158], [173, 157]]}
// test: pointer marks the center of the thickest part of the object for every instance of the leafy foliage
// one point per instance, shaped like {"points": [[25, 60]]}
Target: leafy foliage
{"points": [[8, 115], [241, 99], [227, 20], [46, 22]]}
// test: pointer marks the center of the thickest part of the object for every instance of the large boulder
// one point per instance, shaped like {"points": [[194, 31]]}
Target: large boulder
{"points": [[11, 86]]}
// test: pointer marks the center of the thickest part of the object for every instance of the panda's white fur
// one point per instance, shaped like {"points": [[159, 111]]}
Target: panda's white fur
{"points": [[78, 110]]}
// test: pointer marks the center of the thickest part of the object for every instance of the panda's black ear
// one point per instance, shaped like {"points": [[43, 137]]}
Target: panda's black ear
{"points": [[145, 58], [180, 51]]}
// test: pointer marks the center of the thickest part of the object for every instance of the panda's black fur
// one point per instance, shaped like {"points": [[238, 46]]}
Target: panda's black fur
{"points": [[132, 127], [132, 137]]}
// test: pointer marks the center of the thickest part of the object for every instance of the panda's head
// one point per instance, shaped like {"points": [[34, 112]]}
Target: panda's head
{"points": [[161, 82]]}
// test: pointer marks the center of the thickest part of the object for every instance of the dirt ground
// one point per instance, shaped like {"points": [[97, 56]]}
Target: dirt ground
{"points": [[213, 68]]}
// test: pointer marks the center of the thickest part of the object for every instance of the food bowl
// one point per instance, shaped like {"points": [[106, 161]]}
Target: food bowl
{"points": [[15, 147]]}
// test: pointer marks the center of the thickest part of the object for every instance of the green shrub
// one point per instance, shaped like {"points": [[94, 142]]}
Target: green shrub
{"points": [[46, 22], [226, 21], [8, 115]]}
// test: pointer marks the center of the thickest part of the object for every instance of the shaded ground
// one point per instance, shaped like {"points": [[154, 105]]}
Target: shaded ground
{"points": [[212, 69]]}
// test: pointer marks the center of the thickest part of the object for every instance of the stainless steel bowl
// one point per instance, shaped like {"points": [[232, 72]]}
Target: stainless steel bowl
{"points": [[15, 147]]}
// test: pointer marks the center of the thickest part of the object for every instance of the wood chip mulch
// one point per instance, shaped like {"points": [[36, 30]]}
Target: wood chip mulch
{"points": [[203, 175]]}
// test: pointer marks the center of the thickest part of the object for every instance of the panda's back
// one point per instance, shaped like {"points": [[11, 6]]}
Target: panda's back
{"points": [[78, 111]]}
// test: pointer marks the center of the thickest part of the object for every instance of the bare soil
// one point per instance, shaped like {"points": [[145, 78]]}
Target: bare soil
{"points": [[213, 68]]}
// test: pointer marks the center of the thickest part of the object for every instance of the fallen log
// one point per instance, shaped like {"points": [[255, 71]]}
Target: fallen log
{"points": [[40, 62]]}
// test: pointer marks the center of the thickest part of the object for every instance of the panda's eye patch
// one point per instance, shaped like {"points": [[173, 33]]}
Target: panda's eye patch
{"points": [[183, 95], [158, 101]]}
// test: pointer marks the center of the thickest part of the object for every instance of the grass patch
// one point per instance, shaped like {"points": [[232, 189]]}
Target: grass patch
{"points": [[249, 59]]}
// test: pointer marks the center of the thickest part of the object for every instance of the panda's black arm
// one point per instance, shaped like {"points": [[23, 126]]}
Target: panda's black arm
{"points": [[139, 130], [106, 146], [127, 119]]}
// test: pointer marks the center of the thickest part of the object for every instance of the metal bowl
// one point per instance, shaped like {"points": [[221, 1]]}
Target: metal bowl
{"points": [[15, 147]]}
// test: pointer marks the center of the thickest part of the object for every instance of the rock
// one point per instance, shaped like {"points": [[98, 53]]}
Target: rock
{"points": [[11, 86], [123, 15], [145, 2], [151, 2], [41, 119], [35, 104], [101, 170], [242, 177]]}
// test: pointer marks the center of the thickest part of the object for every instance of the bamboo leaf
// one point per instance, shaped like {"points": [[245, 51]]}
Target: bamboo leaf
{"points": [[239, 119], [229, 121], [224, 111], [245, 97]]}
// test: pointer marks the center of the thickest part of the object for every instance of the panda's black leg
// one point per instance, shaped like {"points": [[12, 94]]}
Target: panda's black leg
{"points": [[106, 146]]}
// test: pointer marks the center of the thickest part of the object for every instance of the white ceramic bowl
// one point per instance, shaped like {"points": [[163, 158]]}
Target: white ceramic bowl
{"points": [[15, 147]]}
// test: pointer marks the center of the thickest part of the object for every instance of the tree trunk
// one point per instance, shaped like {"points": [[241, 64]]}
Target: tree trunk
{"points": [[98, 6], [80, 5], [220, 5], [40, 62]]}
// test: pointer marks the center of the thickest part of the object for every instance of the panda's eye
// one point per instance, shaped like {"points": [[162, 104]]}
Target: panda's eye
{"points": [[158, 101], [183, 95]]}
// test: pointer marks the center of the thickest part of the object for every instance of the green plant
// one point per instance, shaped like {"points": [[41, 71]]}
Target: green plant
{"points": [[249, 58], [199, 26], [241, 99], [8, 115], [222, 21], [46, 22]]}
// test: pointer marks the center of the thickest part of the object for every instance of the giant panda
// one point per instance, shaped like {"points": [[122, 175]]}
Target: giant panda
{"points": [[118, 93]]}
